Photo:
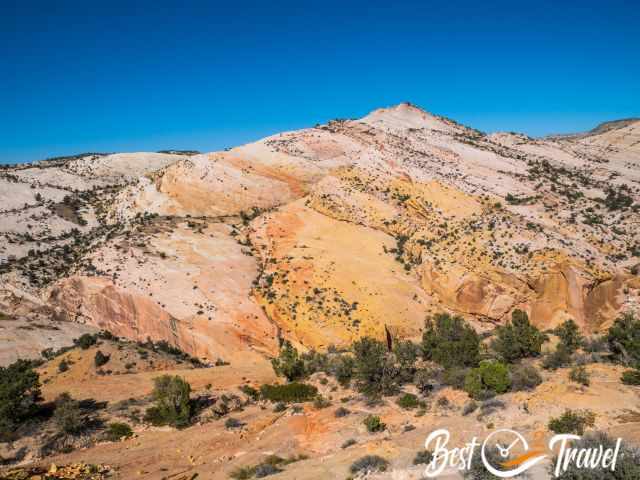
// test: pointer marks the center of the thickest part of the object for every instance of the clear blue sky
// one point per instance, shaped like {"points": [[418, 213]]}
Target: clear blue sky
{"points": [[132, 76]]}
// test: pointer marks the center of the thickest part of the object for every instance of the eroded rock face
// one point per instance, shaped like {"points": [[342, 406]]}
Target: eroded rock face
{"points": [[187, 285], [327, 234]]}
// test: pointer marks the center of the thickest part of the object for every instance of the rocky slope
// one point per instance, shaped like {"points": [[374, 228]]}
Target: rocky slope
{"points": [[326, 234]]}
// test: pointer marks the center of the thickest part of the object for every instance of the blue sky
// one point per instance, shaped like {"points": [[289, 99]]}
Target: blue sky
{"points": [[133, 76]]}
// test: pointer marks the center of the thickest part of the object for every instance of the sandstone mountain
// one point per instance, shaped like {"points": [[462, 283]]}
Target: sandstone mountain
{"points": [[322, 235]]}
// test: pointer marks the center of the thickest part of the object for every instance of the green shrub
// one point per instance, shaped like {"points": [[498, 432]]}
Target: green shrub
{"points": [[631, 377], [627, 464], [524, 377], [375, 371], [294, 392], [570, 336], [408, 401], [19, 394], [572, 421], [451, 342], [623, 339], [68, 414], [250, 392], [173, 404], [373, 424], [117, 430], [100, 359], [579, 375], [489, 379], [288, 364], [369, 463], [518, 338], [423, 457], [86, 340]]}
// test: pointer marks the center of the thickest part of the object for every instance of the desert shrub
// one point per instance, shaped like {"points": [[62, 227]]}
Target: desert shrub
{"points": [[469, 407], [425, 379], [314, 361], [68, 414], [455, 377], [569, 335], [518, 338], [579, 375], [373, 424], [19, 394], [490, 406], [85, 341], [265, 469], [117, 430], [631, 377], [232, 423], [294, 392], [280, 407], [341, 367], [560, 357], [423, 457], [250, 392], [173, 404], [572, 421], [450, 341], [627, 464], [348, 443], [100, 359], [341, 412], [63, 366], [406, 353], [369, 463], [524, 377], [320, 402], [408, 401], [477, 469], [489, 379], [288, 364], [375, 371], [623, 339], [595, 344]]}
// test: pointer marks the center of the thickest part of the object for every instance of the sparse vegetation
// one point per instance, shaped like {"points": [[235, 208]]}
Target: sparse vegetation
{"points": [[524, 377], [294, 392], [579, 375], [173, 403], [373, 424], [368, 464], [68, 414], [117, 431], [572, 421]]}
